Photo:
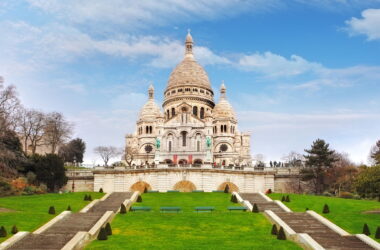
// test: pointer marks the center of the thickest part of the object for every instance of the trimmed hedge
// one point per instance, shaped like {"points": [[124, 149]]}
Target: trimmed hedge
{"points": [[377, 234], [101, 190], [366, 229], [68, 208], [255, 208], [51, 210], [108, 229], [281, 234], [102, 234], [3, 232], [274, 230], [123, 209], [326, 209], [14, 230]]}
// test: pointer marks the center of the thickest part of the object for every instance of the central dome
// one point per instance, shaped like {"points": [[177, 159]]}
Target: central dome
{"points": [[189, 72]]}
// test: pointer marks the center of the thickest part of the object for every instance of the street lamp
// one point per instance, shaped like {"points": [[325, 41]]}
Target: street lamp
{"points": [[73, 186]]}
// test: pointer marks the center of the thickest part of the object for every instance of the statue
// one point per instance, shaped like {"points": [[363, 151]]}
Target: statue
{"points": [[208, 142], [158, 143]]}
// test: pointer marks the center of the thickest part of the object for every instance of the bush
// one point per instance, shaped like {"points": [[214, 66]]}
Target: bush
{"points": [[108, 229], [102, 234], [234, 199], [227, 189], [307, 209], [326, 209], [89, 198], [281, 234], [366, 229], [51, 210], [3, 232], [85, 197], [377, 234], [6, 188], [274, 230], [283, 198], [139, 198], [68, 208], [123, 209], [101, 190], [255, 208], [287, 199], [14, 230], [346, 195]]}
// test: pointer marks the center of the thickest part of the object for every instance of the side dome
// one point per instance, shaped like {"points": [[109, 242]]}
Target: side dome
{"points": [[223, 109], [150, 110], [189, 72]]}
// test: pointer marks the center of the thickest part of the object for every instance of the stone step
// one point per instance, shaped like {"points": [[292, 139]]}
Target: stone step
{"points": [[43, 241]]}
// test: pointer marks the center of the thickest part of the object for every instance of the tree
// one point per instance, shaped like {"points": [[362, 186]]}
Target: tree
{"points": [[107, 153], [73, 151], [318, 159], [56, 130], [31, 127], [375, 153], [50, 170], [367, 183], [11, 155], [8, 105], [294, 159], [129, 155]]}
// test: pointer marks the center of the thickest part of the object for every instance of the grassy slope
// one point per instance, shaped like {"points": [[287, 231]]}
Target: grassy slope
{"points": [[32, 211], [189, 230], [346, 213]]}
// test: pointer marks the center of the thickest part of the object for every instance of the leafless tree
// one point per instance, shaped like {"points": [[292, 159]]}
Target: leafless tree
{"points": [[129, 155], [8, 104], [294, 159], [31, 127], [56, 130], [107, 153]]}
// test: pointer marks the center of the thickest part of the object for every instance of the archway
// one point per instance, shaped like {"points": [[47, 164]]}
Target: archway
{"points": [[168, 161], [182, 162], [140, 186], [198, 161], [232, 187], [184, 186]]}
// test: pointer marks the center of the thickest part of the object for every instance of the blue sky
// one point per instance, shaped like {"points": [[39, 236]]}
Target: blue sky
{"points": [[295, 70]]}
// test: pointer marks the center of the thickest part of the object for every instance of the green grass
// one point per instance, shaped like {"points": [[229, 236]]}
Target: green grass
{"points": [[346, 213], [31, 212], [190, 230]]}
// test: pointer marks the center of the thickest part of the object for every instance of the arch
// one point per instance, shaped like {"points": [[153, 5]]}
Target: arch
{"points": [[232, 187], [173, 112], [146, 130], [184, 186], [202, 113], [168, 161], [140, 186], [195, 110], [168, 113], [182, 162], [221, 128], [198, 161]]}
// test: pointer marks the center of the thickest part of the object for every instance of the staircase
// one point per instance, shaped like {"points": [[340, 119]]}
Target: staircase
{"points": [[56, 236], [305, 223]]}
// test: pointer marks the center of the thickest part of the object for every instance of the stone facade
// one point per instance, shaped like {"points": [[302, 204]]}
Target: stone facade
{"points": [[192, 129]]}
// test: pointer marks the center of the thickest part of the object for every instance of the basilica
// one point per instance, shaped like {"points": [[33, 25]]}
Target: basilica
{"points": [[190, 129]]}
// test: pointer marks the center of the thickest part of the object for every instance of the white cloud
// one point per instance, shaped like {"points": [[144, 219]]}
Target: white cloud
{"points": [[367, 25]]}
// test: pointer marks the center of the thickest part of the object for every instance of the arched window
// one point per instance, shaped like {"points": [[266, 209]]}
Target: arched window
{"points": [[184, 133], [195, 110], [146, 130], [221, 128], [173, 112], [225, 128], [150, 129], [202, 113], [168, 113], [198, 146], [170, 146]]}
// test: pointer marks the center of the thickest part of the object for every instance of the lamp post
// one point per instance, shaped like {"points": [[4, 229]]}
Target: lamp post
{"points": [[74, 176]]}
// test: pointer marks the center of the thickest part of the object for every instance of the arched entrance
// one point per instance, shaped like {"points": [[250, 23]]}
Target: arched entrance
{"points": [[198, 161], [140, 186], [232, 187], [168, 161], [182, 162], [184, 186]]}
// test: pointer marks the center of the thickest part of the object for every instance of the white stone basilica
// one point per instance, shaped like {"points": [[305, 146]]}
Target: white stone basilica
{"points": [[191, 129]]}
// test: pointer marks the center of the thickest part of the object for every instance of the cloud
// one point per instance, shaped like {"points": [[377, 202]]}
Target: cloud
{"points": [[367, 25]]}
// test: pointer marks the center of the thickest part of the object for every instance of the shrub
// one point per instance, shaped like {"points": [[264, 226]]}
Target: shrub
{"points": [[89, 197], [366, 229], [139, 198], [377, 234], [102, 234], [227, 189], [346, 195], [281, 234], [14, 230], [234, 199], [123, 209], [287, 199], [3, 232], [51, 210], [283, 198], [6, 188], [326, 209], [307, 209], [85, 197], [108, 229], [255, 208], [274, 230], [68, 208], [101, 190]]}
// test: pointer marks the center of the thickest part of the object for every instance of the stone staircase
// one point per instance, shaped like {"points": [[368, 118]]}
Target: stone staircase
{"points": [[305, 223], [56, 236]]}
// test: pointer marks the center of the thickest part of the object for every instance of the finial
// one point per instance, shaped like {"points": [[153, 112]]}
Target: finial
{"points": [[223, 90], [189, 44], [151, 91]]}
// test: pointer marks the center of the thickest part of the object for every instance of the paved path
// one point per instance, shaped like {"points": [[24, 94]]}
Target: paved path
{"points": [[64, 230], [305, 223]]}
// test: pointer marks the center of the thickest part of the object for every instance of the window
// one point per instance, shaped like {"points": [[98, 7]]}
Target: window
{"points": [[202, 113], [195, 110], [179, 90], [150, 129], [170, 146], [168, 113], [173, 91], [221, 128], [184, 133], [202, 91], [225, 128], [173, 112], [198, 146], [223, 147], [146, 130]]}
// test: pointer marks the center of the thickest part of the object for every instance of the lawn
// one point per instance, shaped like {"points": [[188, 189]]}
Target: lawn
{"points": [[190, 230], [30, 212], [346, 213]]}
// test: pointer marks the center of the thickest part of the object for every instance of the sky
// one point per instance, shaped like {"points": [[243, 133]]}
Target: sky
{"points": [[295, 70]]}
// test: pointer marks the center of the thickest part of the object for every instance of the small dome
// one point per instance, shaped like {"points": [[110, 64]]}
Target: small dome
{"points": [[150, 111], [223, 109]]}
